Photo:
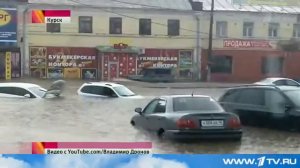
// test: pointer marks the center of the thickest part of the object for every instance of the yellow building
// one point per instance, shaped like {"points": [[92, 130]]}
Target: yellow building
{"points": [[123, 37]]}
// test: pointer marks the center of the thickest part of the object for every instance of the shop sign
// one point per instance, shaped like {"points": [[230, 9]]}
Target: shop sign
{"points": [[8, 65], [71, 60], [233, 43], [158, 62]]}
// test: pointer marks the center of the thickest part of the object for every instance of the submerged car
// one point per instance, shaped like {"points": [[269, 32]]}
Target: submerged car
{"points": [[278, 82], [106, 90], [184, 117], [29, 90], [261, 105]]}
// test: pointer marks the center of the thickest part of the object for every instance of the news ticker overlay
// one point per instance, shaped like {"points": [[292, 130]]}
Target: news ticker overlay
{"points": [[69, 148], [51, 16]]}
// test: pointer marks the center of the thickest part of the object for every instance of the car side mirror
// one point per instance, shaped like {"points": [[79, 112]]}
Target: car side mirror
{"points": [[288, 107], [138, 110], [27, 96]]}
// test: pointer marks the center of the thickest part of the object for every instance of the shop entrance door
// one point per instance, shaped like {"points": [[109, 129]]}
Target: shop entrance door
{"points": [[113, 70]]}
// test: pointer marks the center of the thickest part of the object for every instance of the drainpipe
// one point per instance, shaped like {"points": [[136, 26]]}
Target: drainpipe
{"points": [[198, 49], [25, 51]]}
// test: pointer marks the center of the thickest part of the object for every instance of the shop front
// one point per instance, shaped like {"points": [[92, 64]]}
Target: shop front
{"points": [[180, 61], [248, 61], [10, 63], [64, 62], [118, 61]]}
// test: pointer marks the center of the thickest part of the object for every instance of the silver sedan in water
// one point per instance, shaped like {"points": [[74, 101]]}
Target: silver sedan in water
{"points": [[185, 117]]}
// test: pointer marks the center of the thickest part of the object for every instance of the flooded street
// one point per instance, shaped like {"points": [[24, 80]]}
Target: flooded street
{"points": [[74, 118]]}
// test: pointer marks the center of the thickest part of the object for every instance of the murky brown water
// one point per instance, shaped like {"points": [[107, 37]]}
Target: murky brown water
{"points": [[74, 118]]}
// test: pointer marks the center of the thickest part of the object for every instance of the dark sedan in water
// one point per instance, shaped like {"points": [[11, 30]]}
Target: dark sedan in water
{"points": [[187, 117]]}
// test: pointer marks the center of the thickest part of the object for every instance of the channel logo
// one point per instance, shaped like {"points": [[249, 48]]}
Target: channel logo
{"points": [[51, 16]]}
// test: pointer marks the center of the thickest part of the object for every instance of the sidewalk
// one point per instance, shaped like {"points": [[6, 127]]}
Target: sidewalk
{"points": [[179, 85]]}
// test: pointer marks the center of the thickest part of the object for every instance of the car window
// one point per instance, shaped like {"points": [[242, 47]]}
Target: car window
{"points": [[291, 83], [196, 104], [106, 91], [6, 90], [275, 101], [230, 96], [15, 91], [151, 107], [123, 91], [160, 107], [294, 96], [252, 97], [280, 82], [97, 90]]}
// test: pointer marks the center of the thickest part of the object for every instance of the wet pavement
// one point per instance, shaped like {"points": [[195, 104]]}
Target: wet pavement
{"points": [[73, 118]]}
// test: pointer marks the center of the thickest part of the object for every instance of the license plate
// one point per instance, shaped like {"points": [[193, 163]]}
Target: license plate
{"points": [[212, 123]]}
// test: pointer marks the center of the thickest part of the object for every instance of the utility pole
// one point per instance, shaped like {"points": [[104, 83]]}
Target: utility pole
{"points": [[210, 40]]}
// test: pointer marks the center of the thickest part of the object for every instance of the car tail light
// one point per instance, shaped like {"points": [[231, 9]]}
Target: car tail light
{"points": [[185, 123], [234, 123]]}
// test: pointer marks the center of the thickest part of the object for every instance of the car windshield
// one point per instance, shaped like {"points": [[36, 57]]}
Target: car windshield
{"points": [[123, 91], [294, 95], [38, 91], [195, 104]]}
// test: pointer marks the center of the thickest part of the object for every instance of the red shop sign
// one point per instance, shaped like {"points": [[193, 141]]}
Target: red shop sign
{"points": [[233, 43]]}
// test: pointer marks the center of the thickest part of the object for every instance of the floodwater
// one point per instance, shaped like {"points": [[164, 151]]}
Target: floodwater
{"points": [[72, 118]]}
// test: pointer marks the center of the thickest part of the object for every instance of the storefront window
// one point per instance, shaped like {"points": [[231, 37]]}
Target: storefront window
{"points": [[272, 65], [221, 64]]}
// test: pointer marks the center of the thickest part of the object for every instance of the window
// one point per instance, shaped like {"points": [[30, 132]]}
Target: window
{"points": [[248, 29], [53, 27], [85, 24], [230, 96], [92, 90], [145, 26], [296, 31], [15, 91], [115, 25], [294, 96], [273, 29], [221, 64], [108, 92], [280, 83], [252, 97], [173, 27], [292, 83], [272, 65], [275, 101], [151, 107], [196, 104], [221, 29], [161, 107], [123, 91]]}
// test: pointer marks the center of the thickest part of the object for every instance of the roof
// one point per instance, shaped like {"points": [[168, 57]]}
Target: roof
{"points": [[103, 84], [283, 88], [21, 85], [146, 4], [228, 5], [178, 96]]}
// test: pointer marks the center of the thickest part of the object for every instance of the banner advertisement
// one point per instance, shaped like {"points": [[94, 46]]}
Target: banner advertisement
{"points": [[238, 43], [158, 58], [8, 25]]}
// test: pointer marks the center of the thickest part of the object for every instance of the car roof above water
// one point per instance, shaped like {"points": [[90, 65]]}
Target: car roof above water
{"points": [[18, 84], [282, 88], [111, 84], [178, 96]]}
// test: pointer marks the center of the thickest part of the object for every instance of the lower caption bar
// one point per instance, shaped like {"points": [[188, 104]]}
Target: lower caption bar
{"points": [[136, 148], [98, 151]]}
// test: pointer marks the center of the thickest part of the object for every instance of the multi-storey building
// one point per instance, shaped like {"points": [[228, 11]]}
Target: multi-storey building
{"points": [[113, 39], [249, 41]]}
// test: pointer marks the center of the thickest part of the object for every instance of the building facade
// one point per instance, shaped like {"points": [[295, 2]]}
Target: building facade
{"points": [[104, 43], [248, 42]]}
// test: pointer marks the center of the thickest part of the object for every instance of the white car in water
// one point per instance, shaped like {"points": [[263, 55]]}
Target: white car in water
{"points": [[106, 90], [29, 90]]}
